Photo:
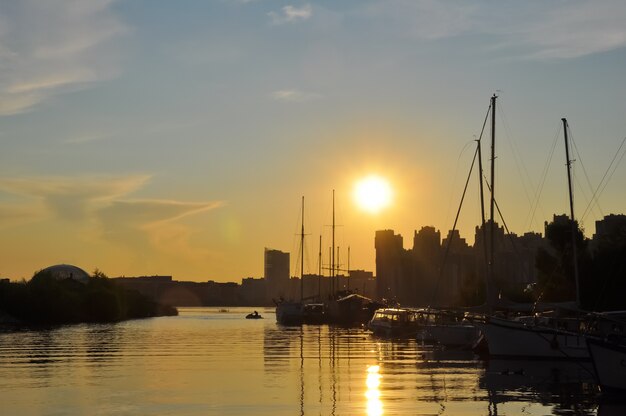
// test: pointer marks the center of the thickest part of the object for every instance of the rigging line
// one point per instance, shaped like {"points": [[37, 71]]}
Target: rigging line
{"points": [[584, 194], [458, 212], [596, 193], [542, 181], [523, 171], [480, 163], [456, 173], [509, 234], [580, 159], [548, 281], [613, 171], [485, 122]]}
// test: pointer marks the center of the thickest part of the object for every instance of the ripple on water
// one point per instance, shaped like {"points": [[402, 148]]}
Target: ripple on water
{"points": [[207, 361]]}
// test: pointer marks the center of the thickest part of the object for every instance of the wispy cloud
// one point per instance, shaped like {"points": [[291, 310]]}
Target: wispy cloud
{"points": [[291, 14], [86, 138], [18, 214], [577, 29], [152, 225], [98, 209], [532, 30], [148, 213], [294, 96], [72, 198], [53, 46]]}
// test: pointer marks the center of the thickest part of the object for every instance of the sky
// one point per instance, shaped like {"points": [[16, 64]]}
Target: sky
{"points": [[149, 137]]}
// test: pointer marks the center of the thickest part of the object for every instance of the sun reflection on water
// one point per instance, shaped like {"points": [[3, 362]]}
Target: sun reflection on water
{"points": [[374, 404]]}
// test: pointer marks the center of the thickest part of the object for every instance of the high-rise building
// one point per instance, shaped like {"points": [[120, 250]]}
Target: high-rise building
{"points": [[426, 262], [610, 229], [276, 266], [390, 272]]}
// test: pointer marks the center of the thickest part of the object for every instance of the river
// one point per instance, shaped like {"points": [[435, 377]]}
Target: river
{"points": [[207, 361]]}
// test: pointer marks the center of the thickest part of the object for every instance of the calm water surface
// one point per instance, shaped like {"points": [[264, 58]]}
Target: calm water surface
{"points": [[207, 362]]}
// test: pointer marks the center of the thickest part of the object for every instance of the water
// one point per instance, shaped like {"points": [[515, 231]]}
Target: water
{"points": [[207, 362]]}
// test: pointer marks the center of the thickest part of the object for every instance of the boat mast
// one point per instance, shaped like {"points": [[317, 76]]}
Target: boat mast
{"points": [[330, 280], [302, 255], [493, 190], [480, 181], [319, 271], [332, 266], [571, 207], [338, 269], [348, 288]]}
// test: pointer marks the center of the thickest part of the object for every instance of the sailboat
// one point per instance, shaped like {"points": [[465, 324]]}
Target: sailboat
{"points": [[609, 358], [540, 335], [344, 307], [457, 328], [292, 312]]}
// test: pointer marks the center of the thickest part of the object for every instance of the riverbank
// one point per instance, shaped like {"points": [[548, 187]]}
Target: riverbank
{"points": [[45, 300]]}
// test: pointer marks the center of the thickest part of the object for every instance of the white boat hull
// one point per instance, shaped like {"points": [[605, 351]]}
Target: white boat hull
{"points": [[507, 338], [609, 361]]}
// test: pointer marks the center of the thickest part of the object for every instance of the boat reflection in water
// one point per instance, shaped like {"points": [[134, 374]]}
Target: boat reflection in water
{"points": [[564, 386], [204, 362], [334, 370]]}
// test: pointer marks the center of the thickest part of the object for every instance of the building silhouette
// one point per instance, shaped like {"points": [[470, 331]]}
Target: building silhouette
{"points": [[448, 271], [392, 276], [276, 273]]}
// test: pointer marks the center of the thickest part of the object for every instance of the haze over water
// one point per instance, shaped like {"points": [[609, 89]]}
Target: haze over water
{"points": [[206, 362]]}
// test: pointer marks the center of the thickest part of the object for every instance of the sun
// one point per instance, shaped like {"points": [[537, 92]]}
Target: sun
{"points": [[372, 193]]}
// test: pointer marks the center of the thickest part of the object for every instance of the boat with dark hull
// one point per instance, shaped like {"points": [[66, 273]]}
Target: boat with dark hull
{"points": [[289, 313], [292, 312]]}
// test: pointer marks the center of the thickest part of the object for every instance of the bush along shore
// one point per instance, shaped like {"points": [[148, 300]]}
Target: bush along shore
{"points": [[46, 300]]}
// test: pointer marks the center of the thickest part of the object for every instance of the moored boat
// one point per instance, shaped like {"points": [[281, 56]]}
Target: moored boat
{"points": [[609, 361], [314, 313], [394, 322], [453, 331], [532, 337], [289, 313], [292, 312]]}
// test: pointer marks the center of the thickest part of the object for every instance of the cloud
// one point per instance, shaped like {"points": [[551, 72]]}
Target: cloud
{"points": [[424, 19], [49, 47], [96, 209], [71, 198], [291, 14], [149, 212], [15, 215], [146, 225], [531, 30], [577, 29], [294, 96], [86, 138]]}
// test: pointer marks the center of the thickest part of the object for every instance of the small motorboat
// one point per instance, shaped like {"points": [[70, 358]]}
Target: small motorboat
{"points": [[254, 315]]}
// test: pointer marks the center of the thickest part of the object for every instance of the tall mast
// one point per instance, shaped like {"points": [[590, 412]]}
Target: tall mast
{"points": [[348, 268], [330, 280], [480, 181], [319, 272], [302, 255], [338, 268], [571, 207], [493, 190], [332, 266]]}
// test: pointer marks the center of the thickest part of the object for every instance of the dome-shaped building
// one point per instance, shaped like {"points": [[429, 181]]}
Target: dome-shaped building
{"points": [[67, 271]]}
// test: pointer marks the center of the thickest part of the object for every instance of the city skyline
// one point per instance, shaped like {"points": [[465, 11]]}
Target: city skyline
{"points": [[148, 137]]}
